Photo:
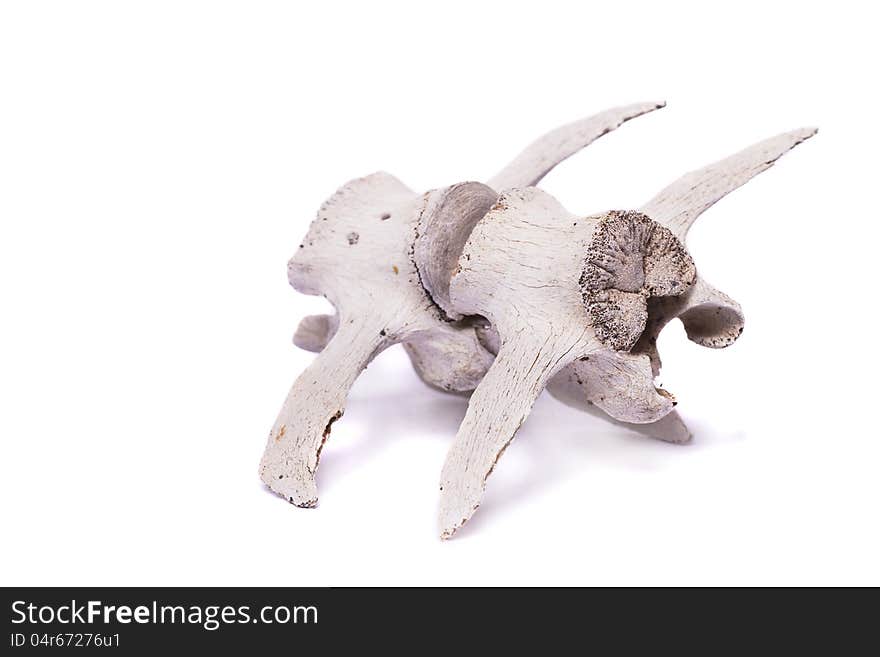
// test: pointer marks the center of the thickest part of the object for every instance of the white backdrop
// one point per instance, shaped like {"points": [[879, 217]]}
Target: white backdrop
{"points": [[159, 163]]}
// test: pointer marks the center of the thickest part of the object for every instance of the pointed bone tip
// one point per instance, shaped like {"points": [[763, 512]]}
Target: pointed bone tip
{"points": [[682, 436], [802, 134], [639, 109], [809, 131], [454, 513], [675, 431], [449, 527], [791, 139], [672, 429], [675, 439]]}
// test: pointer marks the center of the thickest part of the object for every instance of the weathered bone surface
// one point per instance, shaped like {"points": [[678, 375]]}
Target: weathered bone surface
{"points": [[619, 387], [359, 253], [625, 394], [447, 219], [630, 260], [377, 298], [680, 204], [536, 161], [621, 383], [557, 288]]}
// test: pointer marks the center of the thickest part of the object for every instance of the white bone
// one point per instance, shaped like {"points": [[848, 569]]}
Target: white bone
{"points": [[678, 205], [670, 428], [449, 217], [315, 331], [622, 387], [536, 161], [359, 253], [556, 288], [502, 401], [710, 317], [451, 212], [356, 253]]}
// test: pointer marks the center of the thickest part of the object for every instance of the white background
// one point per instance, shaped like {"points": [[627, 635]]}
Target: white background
{"points": [[159, 163]]}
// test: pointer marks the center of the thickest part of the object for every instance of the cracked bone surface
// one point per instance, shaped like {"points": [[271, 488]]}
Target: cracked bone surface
{"points": [[557, 288], [359, 253], [620, 383]]}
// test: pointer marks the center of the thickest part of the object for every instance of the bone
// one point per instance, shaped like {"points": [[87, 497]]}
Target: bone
{"points": [[621, 386], [557, 288], [616, 295], [450, 214], [622, 302], [449, 217], [368, 225], [315, 331], [450, 358], [710, 317], [619, 390], [529, 167], [496, 410], [629, 260], [669, 428], [360, 253], [678, 205], [314, 403]]}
